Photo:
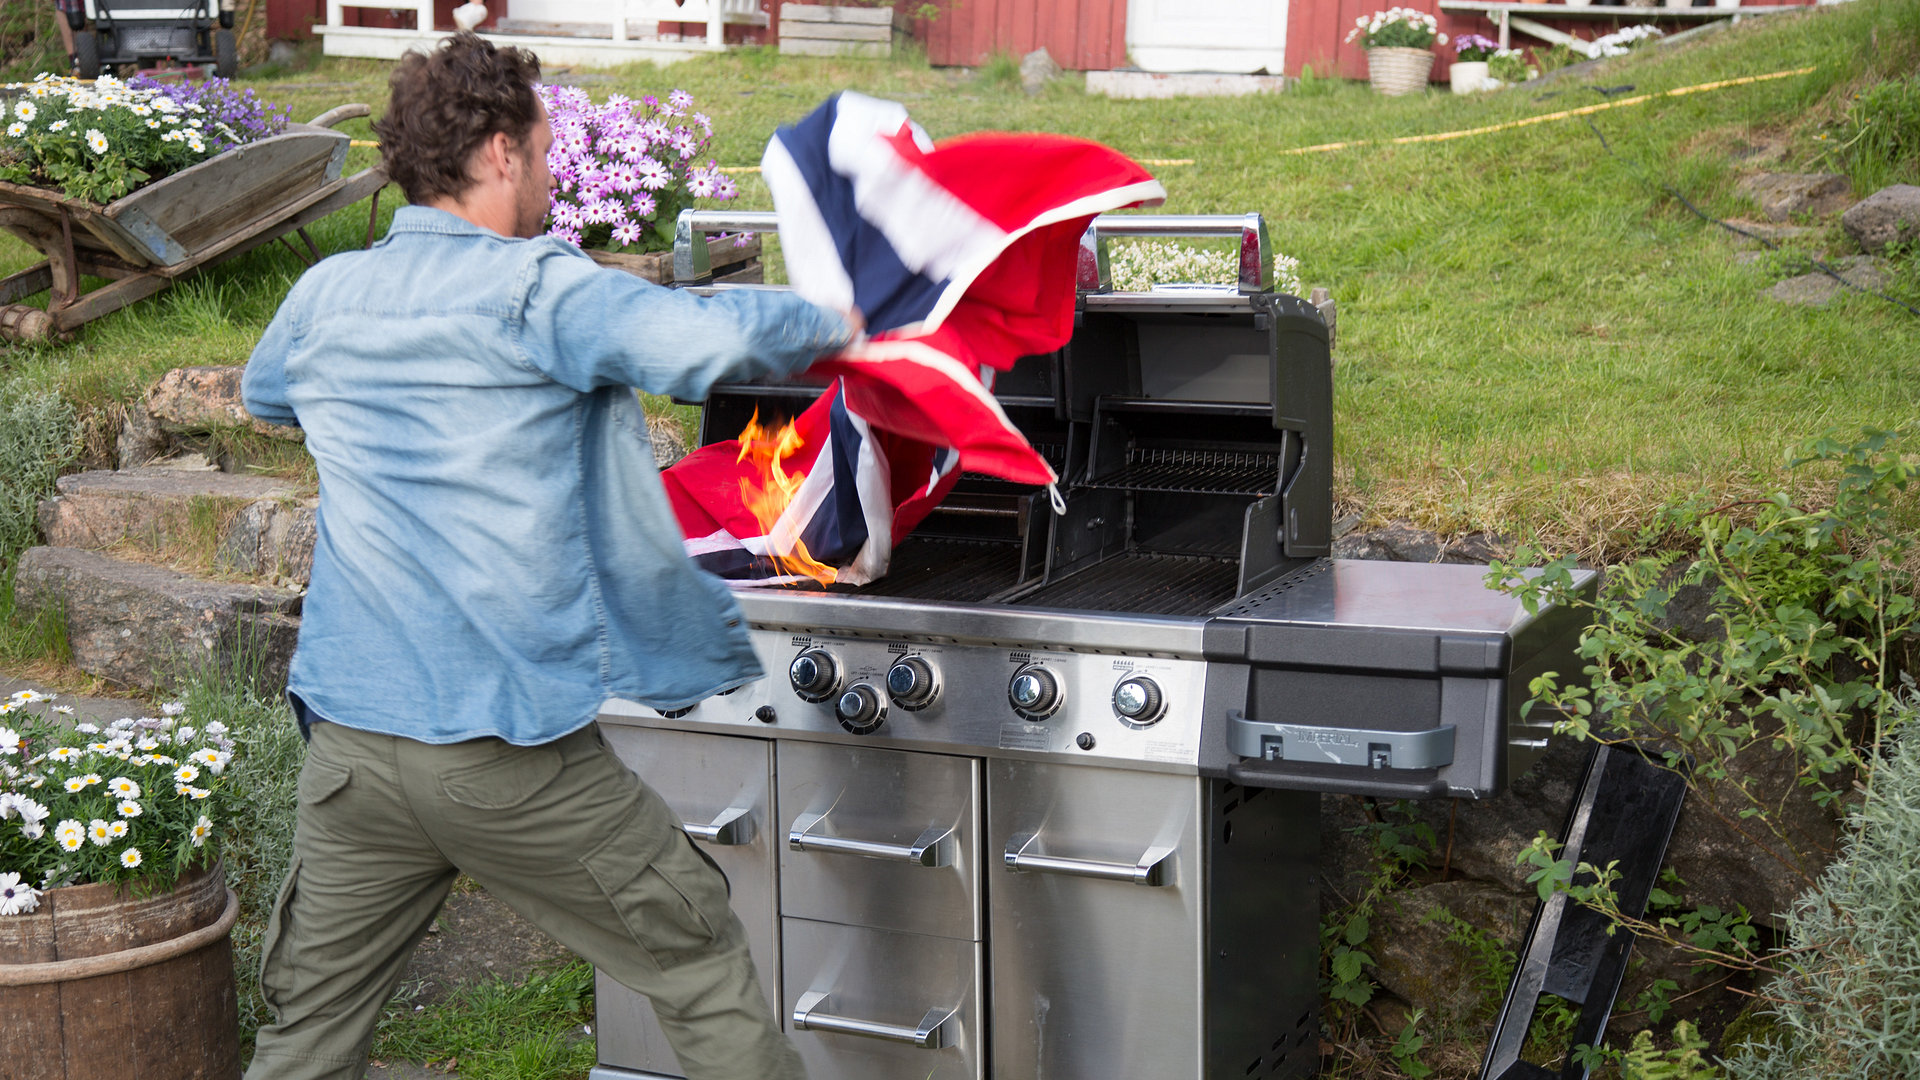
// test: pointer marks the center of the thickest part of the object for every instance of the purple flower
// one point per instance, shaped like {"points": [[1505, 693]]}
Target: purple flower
{"points": [[626, 233], [653, 175], [644, 206], [624, 178], [684, 143], [678, 102], [1470, 47], [700, 184], [571, 236], [724, 187]]}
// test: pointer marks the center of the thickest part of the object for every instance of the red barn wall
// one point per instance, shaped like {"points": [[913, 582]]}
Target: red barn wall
{"points": [[1080, 35]]}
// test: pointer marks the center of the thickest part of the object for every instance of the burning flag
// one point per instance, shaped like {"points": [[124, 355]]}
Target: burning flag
{"points": [[962, 257]]}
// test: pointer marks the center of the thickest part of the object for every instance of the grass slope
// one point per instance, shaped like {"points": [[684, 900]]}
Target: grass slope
{"points": [[1533, 339]]}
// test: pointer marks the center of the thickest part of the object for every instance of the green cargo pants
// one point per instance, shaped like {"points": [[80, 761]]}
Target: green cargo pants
{"points": [[565, 834]]}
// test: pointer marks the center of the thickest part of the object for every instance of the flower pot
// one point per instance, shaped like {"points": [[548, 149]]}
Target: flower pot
{"points": [[1468, 76], [100, 982], [1394, 71]]}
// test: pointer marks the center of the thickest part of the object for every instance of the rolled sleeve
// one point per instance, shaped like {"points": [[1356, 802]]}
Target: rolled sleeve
{"points": [[263, 386], [585, 327]]}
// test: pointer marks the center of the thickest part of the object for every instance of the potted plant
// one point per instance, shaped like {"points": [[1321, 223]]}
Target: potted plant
{"points": [[1508, 67], [1397, 41], [109, 847], [1470, 55], [623, 171]]}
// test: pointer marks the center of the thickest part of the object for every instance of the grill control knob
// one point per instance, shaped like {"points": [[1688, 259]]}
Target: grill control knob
{"points": [[912, 684], [1138, 700], [860, 709], [815, 675], [1035, 692]]}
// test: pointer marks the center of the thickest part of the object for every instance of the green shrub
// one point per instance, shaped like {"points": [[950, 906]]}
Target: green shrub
{"points": [[1848, 1004], [37, 439], [1879, 140]]}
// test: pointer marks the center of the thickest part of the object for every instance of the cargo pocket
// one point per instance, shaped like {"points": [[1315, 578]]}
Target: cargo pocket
{"points": [[674, 906], [516, 775], [321, 780], [277, 974]]}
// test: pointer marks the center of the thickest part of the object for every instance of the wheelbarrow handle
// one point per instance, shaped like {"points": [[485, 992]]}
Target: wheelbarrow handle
{"points": [[332, 117]]}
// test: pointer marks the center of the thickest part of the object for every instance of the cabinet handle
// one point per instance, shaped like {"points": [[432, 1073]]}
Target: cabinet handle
{"points": [[1153, 868], [930, 1034], [933, 848], [731, 829]]}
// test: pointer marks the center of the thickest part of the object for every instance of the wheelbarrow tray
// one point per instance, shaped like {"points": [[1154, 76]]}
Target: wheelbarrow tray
{"points": [[227, 204]]}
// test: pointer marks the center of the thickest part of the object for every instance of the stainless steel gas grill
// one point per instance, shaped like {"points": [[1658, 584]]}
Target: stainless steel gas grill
{"points": [[1043, 801]]}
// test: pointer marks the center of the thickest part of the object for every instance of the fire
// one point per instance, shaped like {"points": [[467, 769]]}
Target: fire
{"points": [[770, 488]]}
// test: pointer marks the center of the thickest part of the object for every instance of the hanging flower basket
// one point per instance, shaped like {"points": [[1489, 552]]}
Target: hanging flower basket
{"points": [[1394, 71]]}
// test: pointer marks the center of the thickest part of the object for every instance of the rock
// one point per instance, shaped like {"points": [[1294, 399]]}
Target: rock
{"points": [[1889, 215], [1782, 195], [1397, 541], [1036, 70], [1423, 955], [150, 506], [668, 439], [270, 539], [1818, 289], [1768, 231], [1485, 837], [195, 399], [141, 439], [140, 625]]}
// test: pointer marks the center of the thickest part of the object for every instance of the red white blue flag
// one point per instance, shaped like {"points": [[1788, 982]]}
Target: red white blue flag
{"points": [[962, 257]]}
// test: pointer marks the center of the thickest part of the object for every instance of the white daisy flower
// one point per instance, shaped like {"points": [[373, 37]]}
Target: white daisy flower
{"points": [[63, 753], [63, 710], [15, 898], [216, 728], [128, 808], [197, 793], [186, 774], [76, 784], [26, 110], [184, 734], [130, 858], [32, 830], [70, 835], [214, 760], [118, 829], [124, 787], [9, 741], [16, 129], [99, 832], [30, 812], [58, 125], [173, 708], [202, 829], [152, 123]]}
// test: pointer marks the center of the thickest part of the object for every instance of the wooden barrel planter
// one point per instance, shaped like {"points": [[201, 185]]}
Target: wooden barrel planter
{"points": [[102, 983], [730, 264]]}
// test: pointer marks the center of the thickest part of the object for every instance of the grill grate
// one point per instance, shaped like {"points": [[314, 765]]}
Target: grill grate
{"points": [[1198, 472], [1145, 584], [925, 568]]}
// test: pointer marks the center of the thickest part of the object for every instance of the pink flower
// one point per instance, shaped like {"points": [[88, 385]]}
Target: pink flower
{"points": [[626, 233], [700, 185], [571, 236], [624, 179], [705, 122], [653, 175], [724, 187], [684, 143], [679, 101], [644, 206]]}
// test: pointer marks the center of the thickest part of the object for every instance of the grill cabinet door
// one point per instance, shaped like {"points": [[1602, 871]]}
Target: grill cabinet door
{"points": [[1096, 970], [721, 786], [883, 1005], [880, 838]]}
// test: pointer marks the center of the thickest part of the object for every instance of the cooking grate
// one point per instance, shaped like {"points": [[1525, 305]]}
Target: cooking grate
{"points": [[1144, 583], [927, 568], [1198, 472]]}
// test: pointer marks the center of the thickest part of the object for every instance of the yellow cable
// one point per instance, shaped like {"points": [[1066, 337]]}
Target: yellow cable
{"points": [[1543, 118]]}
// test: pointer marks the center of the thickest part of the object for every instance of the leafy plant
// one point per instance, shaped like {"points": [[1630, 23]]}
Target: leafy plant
{"points": [[1397, 28], [1137, 266], [38, 433], [101, 140], [1471, 48], [624, 170], [1405, 1050], [1399, 844], [1510, 66]]}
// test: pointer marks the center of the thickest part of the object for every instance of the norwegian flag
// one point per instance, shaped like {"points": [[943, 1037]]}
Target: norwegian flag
{"points": [[961, 255]]}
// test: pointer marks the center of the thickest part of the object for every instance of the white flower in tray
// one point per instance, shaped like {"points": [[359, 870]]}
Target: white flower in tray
{"points": [[15, 898]]}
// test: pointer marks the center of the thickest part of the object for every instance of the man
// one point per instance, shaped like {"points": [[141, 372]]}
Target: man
{"points": [[495, 558]]}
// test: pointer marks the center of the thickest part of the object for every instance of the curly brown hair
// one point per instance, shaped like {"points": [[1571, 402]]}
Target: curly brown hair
{"points": [[447, 102]]}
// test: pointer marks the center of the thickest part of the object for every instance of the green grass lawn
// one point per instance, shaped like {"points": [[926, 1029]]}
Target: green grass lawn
{"points": [[1533, 340]]}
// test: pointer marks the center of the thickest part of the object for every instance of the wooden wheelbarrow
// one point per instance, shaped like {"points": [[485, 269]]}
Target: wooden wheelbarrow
{"points": [[142, 243]]}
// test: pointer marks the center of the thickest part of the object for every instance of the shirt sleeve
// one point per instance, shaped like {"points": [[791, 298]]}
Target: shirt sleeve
{"points": [[263, 386], [585, 327]]}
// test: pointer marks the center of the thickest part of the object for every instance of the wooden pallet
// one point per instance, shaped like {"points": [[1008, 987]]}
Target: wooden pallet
{"points": [[738, 265], [142, 243]]}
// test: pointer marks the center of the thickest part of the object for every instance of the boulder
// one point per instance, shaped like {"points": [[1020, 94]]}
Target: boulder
{"points": [[1887, 216], [1400, 541], [1782, 195], [1037, 68], [270, 539], [1447, 947], [1819, 288], [140, 625], [150, 506], [668, 439], [207, 398]]}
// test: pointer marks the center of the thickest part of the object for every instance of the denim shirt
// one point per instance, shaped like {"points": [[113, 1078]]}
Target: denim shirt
{"points": [[495, 553]]}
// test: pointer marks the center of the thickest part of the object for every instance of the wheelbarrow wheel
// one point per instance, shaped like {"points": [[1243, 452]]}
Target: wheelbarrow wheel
{"points": [[18, 322], [225, 61], [86, 54]]}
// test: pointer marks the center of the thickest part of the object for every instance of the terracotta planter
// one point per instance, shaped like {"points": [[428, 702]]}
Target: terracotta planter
{"points": [[100, 983], [1394, 71], [1468, 76]]}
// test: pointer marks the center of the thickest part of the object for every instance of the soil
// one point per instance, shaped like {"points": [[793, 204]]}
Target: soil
{"points": [[474, 939]]}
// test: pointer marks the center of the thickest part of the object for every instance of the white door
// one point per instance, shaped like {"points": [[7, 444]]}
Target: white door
{"points": [[1237, 36]]}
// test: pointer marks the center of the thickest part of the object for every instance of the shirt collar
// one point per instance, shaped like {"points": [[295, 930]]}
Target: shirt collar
{"points": [[428, 219]]}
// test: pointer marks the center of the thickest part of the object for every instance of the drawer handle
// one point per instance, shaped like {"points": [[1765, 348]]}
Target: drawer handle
{"points": [[733, 828], [1153, 868], [931, 1034], [933, 848]]}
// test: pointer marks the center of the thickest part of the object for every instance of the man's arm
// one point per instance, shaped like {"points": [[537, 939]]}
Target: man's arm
{"points": [[263, 386], [586, 326]]}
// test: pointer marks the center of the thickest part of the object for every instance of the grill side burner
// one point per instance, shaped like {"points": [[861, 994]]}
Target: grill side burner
{"points": [[1043, 801]]}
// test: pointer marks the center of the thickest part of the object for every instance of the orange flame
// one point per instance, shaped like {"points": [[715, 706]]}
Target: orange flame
{"points": [[770, 488]]}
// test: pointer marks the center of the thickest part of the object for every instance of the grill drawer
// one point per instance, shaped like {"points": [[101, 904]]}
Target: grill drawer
{"points": [[886, 838], [894, 986]]}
